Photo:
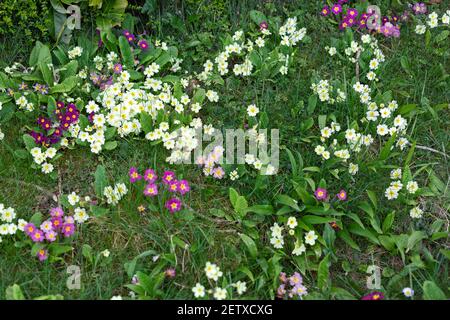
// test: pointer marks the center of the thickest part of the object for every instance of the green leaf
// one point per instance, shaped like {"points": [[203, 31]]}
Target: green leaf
{"points": [[385, 152], [57, 249], [261, 209], [66, 86], [323, 273], [110, 145], [288, 201], [388, 221], [233, 196], [126, 53], [414, 238], [257, 16], [310, 219], [29, 141], [432, 292], [100, 181], [14, 293], [250, 244]]}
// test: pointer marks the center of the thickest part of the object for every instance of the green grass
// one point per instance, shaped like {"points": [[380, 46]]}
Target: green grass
{"points": [[127, 233]]}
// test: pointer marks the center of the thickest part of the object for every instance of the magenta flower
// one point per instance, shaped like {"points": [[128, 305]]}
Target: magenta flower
{"points": [[336, 9], [218, 173], [134, 175], [373, 296], [173, 186], [143, 44], [151, 190], [281, 291], [170, 273], [29, 229], [150, 175], [50, 236], [263, 26], [68, 229], [168, 177], [352, 13], [283, 277], [183, 187], [295, 279], [321, 194], [60, 104], [325, 11], [57, 223], [173, 205], [56, 212], [42, 254], [117, 68], [342, 195], [37, 236]]}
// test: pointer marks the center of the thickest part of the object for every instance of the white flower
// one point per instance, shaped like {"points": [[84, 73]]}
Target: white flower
{"points": [[299, 249], [220, 294], [353, 168], [105, 253], [8, 215], [277, 242], [420, 29], [310, 238], [73, 198], [240, 286], [412, 186], [391, 193], [80, 215], [416, 213], [116, 298], [212, 271], [396, 174], [291, 222], [252, 110], [198, 290], [408, 292], [382, 129], [47, 168]]}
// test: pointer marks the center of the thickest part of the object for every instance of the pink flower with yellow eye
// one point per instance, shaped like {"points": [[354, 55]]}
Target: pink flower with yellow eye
{"points": [[342, 195], [183, 187], [151, 190], [321, 194]]}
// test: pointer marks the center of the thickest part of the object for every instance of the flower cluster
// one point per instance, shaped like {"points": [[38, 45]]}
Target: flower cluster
{"points": [[370, 20], [168, 180], [211, 163], [432, 20], [213, 273], [291, 286], [9, 224], [277, 237], [115, 194]]}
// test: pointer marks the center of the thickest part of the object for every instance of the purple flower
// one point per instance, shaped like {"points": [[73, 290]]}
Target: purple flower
{"points": [[325, 11], [336, 9], [183, 187], [173, 205], [295, 279], [68, 229], [352, 13], [168, 177], [50, 236], [342, 195], [321, 194], [143, 44], [263, 26], [373, 296], [56, 212], [151, 190], [170, 273], [42, 254], [117, 68], [134, 175], [173, 186], [150, 175], [37, 236], [29, 229]]}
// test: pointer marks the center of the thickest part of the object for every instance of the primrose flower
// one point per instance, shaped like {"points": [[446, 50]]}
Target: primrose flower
{"points": [[37, 236], [42, 254], [220, 294], [117, 68], [336, 9], [408, 292], [173, 186], [168, 177], [150, 176], [198, 290], [373, 296], [342, 195], [416, 213], [68, 229], [263, 26], [50, 236], [47, 226], [321, 194], [310, 238], [29, 229], [295, 279], [352, 13], [299, 290], [170, 273], [134, 175], [57, 222], [143, 44], [151, 190], [173, 205], [183, 187], [325, 11]]}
